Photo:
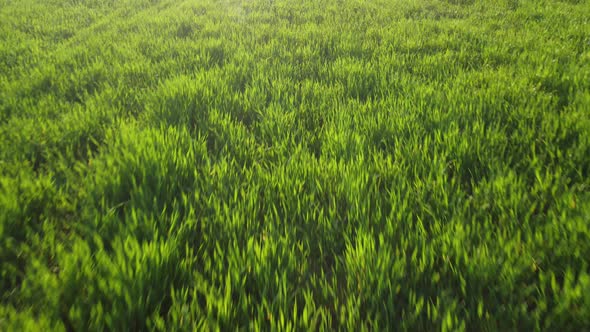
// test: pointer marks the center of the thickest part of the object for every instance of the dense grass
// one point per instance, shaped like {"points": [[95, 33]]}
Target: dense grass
{"points": [[281, 164]]}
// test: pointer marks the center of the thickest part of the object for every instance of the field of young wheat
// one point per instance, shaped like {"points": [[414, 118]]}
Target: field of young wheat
{"points": [[376, 165]]}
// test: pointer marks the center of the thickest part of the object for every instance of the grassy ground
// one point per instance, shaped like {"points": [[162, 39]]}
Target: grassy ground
{"points": [[274, 164]]}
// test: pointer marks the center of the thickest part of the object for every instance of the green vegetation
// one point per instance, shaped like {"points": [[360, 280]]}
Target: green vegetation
{"points": [[295, 164]]}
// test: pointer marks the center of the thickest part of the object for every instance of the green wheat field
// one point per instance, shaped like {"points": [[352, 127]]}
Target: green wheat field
{"points": [[295, 165]]}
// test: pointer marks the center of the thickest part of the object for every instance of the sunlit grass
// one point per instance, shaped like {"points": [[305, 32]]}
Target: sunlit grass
{"points": [[294, 165]]}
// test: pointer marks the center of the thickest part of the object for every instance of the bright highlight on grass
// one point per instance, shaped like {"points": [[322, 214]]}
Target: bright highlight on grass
{"points": [[413, 165]]}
